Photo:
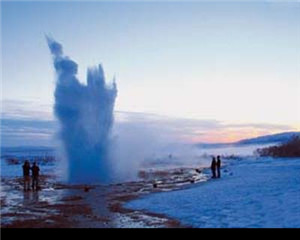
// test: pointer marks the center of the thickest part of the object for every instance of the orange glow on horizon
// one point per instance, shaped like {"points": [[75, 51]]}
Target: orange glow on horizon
{"points": [[231, 135]]}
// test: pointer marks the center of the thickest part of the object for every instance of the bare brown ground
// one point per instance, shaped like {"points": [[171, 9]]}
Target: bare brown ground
{"points": [[78, 206]]}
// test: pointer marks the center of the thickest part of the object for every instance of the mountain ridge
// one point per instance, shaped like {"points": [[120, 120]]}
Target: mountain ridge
{"points": [[265, 139]]}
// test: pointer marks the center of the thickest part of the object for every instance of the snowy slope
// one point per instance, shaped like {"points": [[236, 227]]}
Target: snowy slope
{"points": [[274, 138], [252, 193]]}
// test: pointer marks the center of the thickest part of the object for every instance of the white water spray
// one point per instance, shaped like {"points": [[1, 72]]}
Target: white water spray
{"points": [[85, 114]]}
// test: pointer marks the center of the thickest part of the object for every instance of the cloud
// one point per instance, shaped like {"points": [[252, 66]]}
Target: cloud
{"points": [[22, 132], [30, 122], [26, 109], [198, 130], [267, 126]]}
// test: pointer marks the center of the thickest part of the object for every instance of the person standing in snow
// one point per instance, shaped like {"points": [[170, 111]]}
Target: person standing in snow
{"points": [[35, 176], [213, 167], [26, 175], [218, 167]]}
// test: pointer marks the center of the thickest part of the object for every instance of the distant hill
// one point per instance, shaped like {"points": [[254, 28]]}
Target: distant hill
{"points": [[274, 138], [267, 139], [25, 150]]}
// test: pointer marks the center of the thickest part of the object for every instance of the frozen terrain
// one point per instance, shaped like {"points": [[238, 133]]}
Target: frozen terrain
{"points": [[58, 204], [253, 192]]}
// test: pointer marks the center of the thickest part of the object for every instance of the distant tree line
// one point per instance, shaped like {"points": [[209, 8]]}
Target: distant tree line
{"points": [[288, 149]]}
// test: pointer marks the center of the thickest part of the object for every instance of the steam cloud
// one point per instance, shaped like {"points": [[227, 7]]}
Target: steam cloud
{"points": [[85, 113]]}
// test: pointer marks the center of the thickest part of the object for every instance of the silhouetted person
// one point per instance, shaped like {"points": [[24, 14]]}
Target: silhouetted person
{"points": [[26, 175], [35, 176], [218, 167], [213, 167]]}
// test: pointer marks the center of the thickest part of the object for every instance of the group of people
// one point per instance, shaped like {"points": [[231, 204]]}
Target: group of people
{"points": [[34, 176], [216, 167]]}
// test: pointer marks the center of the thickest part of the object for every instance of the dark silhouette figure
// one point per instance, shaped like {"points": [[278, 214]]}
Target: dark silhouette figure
{"points": [[218, 167], [26, 175], [213, 167], [35, 176]]}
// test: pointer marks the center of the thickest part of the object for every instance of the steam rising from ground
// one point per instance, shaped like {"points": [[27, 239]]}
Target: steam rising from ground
{"points": [[85, 114], [97, 150]]}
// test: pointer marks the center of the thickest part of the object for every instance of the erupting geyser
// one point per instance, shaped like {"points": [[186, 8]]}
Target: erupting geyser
{"points": [[85, 113]]}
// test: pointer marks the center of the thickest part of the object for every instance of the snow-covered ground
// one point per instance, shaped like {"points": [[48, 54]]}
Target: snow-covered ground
{"points": [[262, 192]]}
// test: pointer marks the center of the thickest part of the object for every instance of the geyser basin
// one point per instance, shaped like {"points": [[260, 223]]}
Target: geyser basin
{"points": [[85, 114]]}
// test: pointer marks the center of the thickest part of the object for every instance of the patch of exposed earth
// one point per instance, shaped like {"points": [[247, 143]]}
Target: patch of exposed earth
{"points": [[59, 205]]}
